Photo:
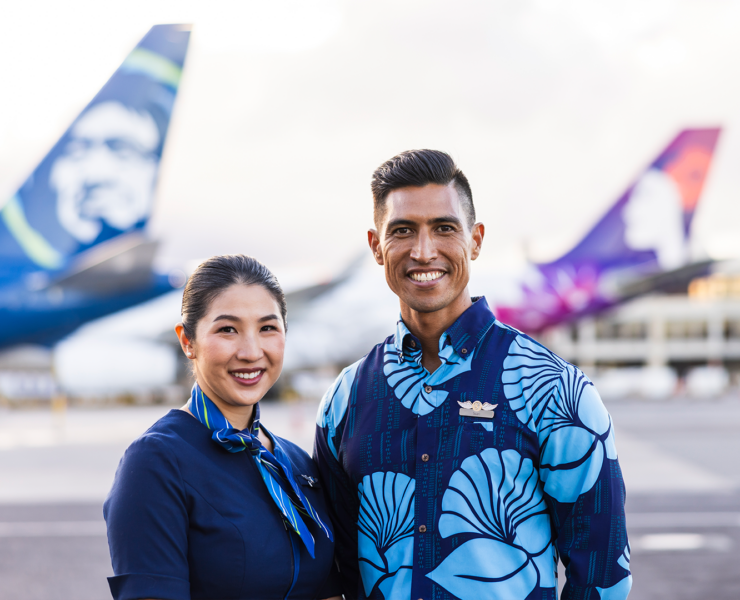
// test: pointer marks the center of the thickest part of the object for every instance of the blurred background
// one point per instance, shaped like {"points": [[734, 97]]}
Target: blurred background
{"points": [[562, 113]]}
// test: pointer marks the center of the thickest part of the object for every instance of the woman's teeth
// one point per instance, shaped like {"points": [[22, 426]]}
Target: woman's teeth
{"points": [[426, 276], [247, 375]]}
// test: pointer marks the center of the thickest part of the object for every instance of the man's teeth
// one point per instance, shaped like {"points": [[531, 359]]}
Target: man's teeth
{"points": [[247, 375], [426, 276]]}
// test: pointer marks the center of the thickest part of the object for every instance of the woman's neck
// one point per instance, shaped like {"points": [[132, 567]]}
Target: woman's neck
{"points": [[240, 416], [240, 421]]}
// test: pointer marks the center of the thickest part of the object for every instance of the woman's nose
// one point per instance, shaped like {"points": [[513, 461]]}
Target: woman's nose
{"points": [[250, 349]]}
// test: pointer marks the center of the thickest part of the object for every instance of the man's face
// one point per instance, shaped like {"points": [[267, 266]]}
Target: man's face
{"points": [[426, 246], [107, 171]]}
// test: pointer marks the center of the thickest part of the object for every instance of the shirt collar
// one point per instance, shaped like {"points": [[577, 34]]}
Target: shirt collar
{"points": [[464, 334]]}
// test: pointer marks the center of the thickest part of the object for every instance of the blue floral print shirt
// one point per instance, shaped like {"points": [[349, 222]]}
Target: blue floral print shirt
{"points": [[430, 503]]}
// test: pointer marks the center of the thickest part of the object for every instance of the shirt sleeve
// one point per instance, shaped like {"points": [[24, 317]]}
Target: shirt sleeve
{"points": [[341, 494], [147, 522], [584, 491]]}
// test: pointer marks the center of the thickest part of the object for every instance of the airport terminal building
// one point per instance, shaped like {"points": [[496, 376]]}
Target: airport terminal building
{"points": [[678, 342]]}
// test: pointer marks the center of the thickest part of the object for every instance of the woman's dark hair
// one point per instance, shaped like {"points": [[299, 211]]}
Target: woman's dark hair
{"points": [[216, 274]]}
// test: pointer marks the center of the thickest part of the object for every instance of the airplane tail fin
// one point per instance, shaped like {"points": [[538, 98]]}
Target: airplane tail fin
{"points": [[649, 225], [98, 180], [645, 233]]}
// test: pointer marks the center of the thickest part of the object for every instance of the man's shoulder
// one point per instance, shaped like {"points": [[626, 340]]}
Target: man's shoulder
{"points": [[334, 403], [525, 350]]}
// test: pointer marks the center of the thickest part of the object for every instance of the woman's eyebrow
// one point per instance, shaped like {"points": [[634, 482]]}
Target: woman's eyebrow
{"points": [[226, 318], [238, 320]]}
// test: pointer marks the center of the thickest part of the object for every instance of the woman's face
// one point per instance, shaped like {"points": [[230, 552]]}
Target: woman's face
{"points": [[238, 348]]}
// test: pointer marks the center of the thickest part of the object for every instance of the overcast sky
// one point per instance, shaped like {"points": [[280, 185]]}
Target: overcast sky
{"points": [[551, 107]]}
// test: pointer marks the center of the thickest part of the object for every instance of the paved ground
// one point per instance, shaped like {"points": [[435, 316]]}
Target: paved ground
{"points": [[680, 461]]}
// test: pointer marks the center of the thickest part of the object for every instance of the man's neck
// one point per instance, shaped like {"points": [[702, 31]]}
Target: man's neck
{"points": [[428, 327]]}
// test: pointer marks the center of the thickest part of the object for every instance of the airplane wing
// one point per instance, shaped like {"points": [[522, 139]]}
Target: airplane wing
{"points": [[299, 299], [675, 281], [120, 264]]}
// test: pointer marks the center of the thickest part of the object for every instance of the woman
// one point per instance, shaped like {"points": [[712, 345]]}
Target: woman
{"points": [[208, 503]]}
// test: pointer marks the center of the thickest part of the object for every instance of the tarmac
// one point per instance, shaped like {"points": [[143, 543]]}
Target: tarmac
{"points": [[680, 460]]}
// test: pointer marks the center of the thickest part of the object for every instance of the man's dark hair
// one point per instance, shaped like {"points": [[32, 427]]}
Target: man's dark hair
{"points": [[417, 168], [219, 273]]}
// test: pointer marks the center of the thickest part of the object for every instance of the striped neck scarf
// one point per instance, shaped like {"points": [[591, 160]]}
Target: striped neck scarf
{"points": [[275, 469]]}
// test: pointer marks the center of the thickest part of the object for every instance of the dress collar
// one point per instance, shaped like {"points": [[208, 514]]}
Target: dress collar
{"points": [[464, 334]]}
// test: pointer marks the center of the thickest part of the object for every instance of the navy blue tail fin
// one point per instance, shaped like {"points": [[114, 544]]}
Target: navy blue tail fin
{"points": [[98, 180]]}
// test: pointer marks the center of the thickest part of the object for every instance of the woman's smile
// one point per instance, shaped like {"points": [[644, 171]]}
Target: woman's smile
{"points": [[247, 376]]}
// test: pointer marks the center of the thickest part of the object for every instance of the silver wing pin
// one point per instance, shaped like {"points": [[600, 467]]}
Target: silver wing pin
{"points": [[476, 409]]}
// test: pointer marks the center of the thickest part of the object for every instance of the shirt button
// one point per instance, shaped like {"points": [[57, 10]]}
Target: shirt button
{"points": [[422, 528], [428, 389], [464, 350], [412, 343], [425, 457]]}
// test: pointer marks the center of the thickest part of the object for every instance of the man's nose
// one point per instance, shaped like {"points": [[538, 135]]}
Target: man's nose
{"points": [[424, 250]]}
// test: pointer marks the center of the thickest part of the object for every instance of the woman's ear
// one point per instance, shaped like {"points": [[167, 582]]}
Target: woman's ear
{"points": [[185, 344]]}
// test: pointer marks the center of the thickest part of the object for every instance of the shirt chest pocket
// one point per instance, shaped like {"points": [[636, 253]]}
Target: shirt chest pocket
{"points": [[473, 426], [478, 434]]}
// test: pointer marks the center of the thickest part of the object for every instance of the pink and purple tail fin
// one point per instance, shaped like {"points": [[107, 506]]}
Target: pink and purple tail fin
{"points": [[645, 232]]}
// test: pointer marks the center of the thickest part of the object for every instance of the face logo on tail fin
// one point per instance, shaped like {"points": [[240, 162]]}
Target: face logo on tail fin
{"points": [[658, 212], [656, 199], [106, 171]]}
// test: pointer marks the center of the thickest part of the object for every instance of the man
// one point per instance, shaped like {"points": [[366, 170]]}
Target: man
{"points": [[461, 457]]}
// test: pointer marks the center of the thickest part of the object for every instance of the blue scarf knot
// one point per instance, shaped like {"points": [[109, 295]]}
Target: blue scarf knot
{"points": [[275, 469]]}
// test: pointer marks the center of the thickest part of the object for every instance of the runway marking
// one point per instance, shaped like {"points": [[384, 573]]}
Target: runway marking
{"points": [[662, 520], [20, 529], [669, 542], [648, 469]]}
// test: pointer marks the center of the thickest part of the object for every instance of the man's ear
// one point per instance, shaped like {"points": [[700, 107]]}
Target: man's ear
{"points": [[479, 231], [373, 240]]}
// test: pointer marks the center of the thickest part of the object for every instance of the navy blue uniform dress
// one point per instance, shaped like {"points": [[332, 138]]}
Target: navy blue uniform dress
{"points": [[188, 519]]}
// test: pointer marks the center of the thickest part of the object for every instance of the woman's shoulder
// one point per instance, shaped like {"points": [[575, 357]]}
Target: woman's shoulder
{"points": [[165, 435]]}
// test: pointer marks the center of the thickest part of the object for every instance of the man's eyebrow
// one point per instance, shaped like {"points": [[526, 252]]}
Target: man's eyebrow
{"points": [[400, 223], [436, 221], [445, 219]]}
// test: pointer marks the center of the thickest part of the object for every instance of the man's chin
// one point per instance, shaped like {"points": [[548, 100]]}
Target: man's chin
{"points": [[429, 304]]}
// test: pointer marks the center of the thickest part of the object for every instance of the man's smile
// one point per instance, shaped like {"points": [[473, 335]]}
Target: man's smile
{"points": [[426, 276]]}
